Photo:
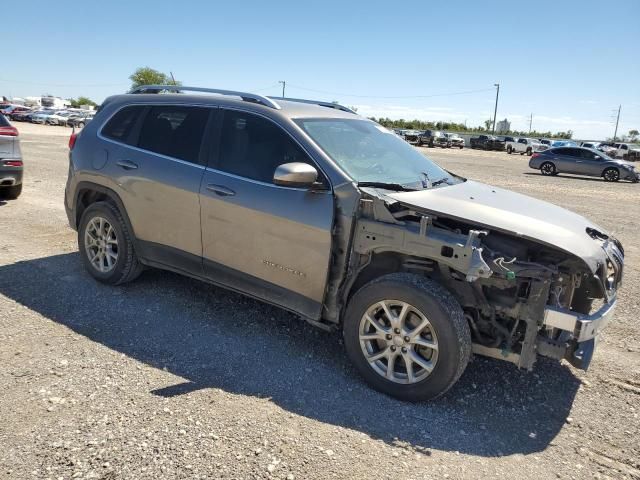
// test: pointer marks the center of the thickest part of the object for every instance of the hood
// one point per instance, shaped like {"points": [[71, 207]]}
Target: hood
{"points": [[511, 213]]}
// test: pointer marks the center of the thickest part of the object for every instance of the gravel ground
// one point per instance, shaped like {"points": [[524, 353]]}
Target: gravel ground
{"points": [[171, 378]]}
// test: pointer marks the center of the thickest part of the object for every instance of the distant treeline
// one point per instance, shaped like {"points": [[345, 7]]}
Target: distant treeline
{"points": [[461, 127]]}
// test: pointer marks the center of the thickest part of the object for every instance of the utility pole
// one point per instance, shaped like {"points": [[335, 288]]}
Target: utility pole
{"points": [[615, 133], [284, 84], [172, 79], [530, 122], [495, 111]]}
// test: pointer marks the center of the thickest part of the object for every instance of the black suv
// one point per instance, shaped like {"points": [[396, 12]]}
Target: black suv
{"points": [[433, 138]]}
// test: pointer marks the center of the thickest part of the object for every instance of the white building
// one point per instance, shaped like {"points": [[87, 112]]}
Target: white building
{"points": [[503, 126]]}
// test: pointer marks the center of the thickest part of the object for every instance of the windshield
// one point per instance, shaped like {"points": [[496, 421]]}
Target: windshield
{"points": [[368, 152]]}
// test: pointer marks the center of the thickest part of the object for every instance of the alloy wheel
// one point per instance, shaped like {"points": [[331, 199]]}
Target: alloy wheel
{"points": [[101, 244], [398, 341]]}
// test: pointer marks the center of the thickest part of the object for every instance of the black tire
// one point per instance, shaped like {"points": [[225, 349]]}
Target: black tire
{"points": [[509, 149], [548, 168], [127, 267], [461, 147], [81, 125], [611, 174], [529, 152], [11, 193], [445, 316]]}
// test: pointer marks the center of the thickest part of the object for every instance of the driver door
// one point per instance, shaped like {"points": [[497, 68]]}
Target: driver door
{"points": [[269, 241]]}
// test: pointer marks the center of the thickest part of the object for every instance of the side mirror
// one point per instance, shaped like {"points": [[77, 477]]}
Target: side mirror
{"points": [[295, 174]]}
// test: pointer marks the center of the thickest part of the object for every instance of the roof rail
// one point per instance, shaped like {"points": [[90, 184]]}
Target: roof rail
{"points": [[337, 106], [247, 97]]}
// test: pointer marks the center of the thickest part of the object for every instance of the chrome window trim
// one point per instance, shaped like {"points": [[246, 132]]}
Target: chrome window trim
{"points": [[138, 149]]}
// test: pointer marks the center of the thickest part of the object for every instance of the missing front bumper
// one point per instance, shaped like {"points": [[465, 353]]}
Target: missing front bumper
{"points": [[582, 327]]}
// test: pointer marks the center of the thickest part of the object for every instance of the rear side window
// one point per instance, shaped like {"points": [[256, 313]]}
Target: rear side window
{"points": [[253, 147], [3, 121], [174, 131], [119, 127]]}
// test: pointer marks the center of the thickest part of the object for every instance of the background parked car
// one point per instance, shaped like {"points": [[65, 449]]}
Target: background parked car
{"points": [[10, 160], [59, 118], [455, 140], [21, 116], [626, 151], [583, 161], [487, 142], [563, 143], [79, 120], [525, 145], [41, 116], [433, 138]]}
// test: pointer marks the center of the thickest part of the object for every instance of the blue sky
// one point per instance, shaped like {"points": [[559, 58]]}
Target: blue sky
{"points": [[570, 63]]}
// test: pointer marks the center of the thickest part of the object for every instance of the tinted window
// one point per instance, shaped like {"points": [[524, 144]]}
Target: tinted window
{"points": [[570, 152], [253, 147], [174, 131], [120, 125], [590, 155], [3, 121]]}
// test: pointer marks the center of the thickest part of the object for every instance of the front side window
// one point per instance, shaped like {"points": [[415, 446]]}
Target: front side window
{"points": [[120, 125], [253, 147], [175, 131], [368, 153]]}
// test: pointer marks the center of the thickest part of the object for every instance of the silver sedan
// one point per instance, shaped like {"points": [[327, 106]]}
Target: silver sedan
{"points": [[583, 161]]}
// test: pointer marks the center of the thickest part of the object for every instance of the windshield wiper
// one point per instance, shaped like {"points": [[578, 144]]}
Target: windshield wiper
{"points": [[440, 182], [387, 186]]}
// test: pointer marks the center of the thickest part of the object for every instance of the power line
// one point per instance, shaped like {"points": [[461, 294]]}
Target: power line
{"points": [[392, 96]]}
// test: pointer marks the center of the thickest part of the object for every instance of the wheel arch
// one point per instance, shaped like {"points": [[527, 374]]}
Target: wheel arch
{"points": [[88, 193]]}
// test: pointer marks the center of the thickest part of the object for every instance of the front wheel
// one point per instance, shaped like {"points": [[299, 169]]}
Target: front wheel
{"points": [[407, 336], [529, 152], [611, 175], [509, 149]]}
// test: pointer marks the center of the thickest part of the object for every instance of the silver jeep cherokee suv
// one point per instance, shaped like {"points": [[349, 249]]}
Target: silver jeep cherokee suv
{"points": [[312, 208]]}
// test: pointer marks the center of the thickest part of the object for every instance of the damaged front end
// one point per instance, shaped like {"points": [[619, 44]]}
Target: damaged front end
{"points": [[521, 297]]}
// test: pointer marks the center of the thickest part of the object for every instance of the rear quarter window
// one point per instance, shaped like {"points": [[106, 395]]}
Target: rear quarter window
{"points": [[120, 126], [3, 121]]}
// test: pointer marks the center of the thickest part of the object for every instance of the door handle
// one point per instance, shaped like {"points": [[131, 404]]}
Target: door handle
{"points": [[220, 190], [127, 164]]}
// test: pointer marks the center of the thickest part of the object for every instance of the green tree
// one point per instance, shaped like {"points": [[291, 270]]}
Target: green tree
{"points": [[488, 124], [76, 103], [149, 76], [633, 134]]}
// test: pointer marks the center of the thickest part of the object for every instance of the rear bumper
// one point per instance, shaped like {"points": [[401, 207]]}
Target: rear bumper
{"points": [[10, 176]]}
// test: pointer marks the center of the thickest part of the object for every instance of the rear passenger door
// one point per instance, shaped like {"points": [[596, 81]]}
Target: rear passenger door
{"points": [[270, 241], [565, 159], [158, 169]]}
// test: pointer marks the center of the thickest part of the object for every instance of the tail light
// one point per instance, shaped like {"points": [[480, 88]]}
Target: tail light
{"points": [[13, 163], [535, 155], [72, 140], [9, 131]]}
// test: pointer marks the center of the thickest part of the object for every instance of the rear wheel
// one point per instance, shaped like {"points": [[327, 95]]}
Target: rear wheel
{"points": [[11, 193], [611, 175], [509, 149], [407, 336], [548, 168], [106, 245], [529, 152]]}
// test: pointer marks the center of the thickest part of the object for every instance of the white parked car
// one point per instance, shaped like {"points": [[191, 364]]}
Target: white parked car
{"points": [[525, 145], [59, 118], [42, 116], [626, 151]]}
